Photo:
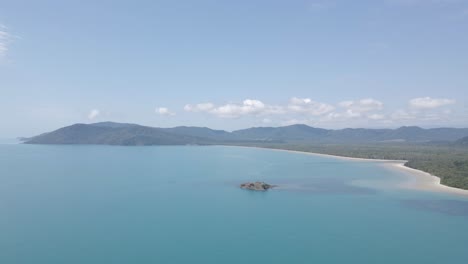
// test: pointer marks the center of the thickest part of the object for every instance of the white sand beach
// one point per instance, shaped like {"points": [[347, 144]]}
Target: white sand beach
{"points": [[423, 181], [417, 179]]}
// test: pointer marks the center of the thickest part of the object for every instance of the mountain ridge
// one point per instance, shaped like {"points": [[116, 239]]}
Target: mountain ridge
{"points": [[113, 133]]}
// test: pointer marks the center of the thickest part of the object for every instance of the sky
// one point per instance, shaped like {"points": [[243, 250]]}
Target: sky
{"points": [[233, 64]]}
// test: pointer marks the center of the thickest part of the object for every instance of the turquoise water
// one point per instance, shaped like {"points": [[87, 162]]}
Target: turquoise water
{"points": [[104, 204]]}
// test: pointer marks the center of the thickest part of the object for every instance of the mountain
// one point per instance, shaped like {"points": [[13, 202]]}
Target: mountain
{"points": [[202, 132], [110, 133], [303, 133], [462, 142], [286, 133]]}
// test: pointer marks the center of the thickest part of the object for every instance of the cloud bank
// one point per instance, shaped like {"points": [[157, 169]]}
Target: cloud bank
{"points": [[429, 103], [235, 110], [307, 106], [349, 112]]}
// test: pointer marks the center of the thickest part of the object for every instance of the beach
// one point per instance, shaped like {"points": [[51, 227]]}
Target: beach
{"points": [[417, 179], [421, 180]]}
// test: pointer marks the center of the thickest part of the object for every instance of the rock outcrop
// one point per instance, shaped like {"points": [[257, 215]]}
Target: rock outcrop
{"points": [[256, 186]]}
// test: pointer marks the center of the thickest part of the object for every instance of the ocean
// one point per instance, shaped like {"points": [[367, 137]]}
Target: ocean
{"points": [[182, 204]]}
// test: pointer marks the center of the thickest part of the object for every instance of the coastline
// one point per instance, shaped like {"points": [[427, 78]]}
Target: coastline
{"points": [[421, 180], [417, 179]]}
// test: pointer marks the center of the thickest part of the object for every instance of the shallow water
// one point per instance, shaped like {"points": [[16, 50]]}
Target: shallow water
{"points": [[105, 204]]}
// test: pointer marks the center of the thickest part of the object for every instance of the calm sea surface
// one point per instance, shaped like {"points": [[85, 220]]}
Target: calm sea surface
{"points": [[105, 204]]}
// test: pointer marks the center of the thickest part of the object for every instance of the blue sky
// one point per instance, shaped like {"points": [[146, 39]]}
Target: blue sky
{"points": [[233, 64]]}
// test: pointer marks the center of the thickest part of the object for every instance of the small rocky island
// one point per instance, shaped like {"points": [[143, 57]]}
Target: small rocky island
{"points": [[256, 186]]}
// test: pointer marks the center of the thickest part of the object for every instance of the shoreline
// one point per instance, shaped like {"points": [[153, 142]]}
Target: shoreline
{"points": [[424, 181], [418, 179]]}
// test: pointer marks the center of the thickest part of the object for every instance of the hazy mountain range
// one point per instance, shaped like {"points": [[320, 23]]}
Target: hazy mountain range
{"points": [[110, 133]]}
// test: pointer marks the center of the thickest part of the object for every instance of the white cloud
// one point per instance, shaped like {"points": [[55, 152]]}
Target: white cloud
{"points": [[346, 115], [5, 39], [363, 109], [376, 116], [234, 110], [252, 107], [93, 114], [307, 106], [248, 107], [345, 104], [362, 112], [429, 103], [164, 111], [203, 107], [362, 106]]}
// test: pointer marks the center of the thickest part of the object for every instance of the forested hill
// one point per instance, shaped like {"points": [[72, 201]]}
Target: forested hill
{"points": [[110, 133]]}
